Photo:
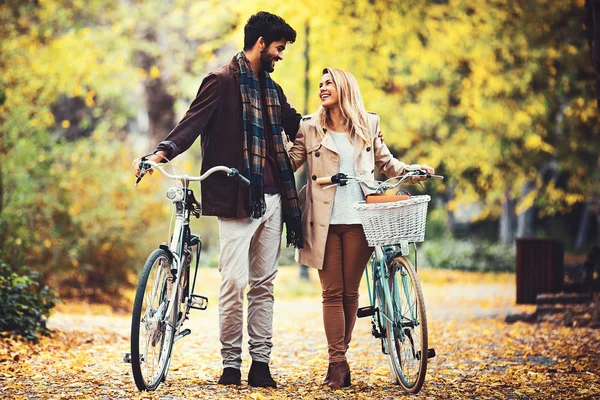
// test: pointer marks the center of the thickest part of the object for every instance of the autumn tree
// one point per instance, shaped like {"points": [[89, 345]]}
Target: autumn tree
{"points": [[498, 95], [64, 210]]}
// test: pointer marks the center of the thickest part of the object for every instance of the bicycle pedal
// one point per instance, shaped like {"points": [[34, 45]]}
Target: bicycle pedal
{"points": [[430, 353], [127, 358], [198, 302], [182, 334], [366, 311]]}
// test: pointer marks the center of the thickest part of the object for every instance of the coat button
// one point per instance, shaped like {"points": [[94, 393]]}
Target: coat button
{"points": [[317, 154], [372, 171], [311, 223], [314, 177], [368, 149]]}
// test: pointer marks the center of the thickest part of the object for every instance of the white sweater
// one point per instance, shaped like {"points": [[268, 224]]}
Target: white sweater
{"points": [[345, 196]]}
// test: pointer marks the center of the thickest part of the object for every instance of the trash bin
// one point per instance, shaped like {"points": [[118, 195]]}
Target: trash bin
{"points": [[540, 268]]}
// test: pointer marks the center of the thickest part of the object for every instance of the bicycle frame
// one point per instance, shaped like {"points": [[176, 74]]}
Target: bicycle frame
{"points": [[181, 236]]}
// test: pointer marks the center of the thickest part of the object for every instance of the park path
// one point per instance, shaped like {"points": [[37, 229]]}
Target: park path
{"points": [[479, 356]]}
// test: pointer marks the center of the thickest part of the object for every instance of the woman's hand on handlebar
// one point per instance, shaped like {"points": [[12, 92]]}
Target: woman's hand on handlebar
{"points": [[420, 167]]}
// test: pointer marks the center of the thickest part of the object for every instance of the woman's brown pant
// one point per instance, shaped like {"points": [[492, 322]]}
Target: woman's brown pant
{"points": [[346, 255]]}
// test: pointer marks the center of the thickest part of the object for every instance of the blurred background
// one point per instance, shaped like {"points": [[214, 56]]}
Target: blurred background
{"points": [[500, 96]]}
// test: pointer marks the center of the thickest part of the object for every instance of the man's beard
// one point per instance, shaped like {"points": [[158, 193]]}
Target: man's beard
{"points": [[266, 62]]}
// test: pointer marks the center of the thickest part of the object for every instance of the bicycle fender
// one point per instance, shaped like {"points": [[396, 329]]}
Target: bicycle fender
{"points": [[168, 250]]}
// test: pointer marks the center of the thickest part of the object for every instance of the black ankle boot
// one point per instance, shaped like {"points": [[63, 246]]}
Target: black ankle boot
{"points": [[231, 376], [260, 375]]}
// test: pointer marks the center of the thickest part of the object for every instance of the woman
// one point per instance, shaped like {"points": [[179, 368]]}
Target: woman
{"points": [[340, 137]]}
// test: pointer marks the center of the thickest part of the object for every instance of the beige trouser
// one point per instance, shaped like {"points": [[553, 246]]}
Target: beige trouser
{"points": [[249, 255]]}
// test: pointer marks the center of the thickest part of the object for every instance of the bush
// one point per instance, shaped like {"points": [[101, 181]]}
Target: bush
{"points": [[437, 224], [79, 221], [469, 255], [25, 306]]}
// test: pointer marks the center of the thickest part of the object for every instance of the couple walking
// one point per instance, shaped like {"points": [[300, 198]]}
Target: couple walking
{"points": [[242, 116]]}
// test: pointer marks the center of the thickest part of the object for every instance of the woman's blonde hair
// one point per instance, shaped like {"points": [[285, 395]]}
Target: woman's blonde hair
{"points": [[351, 105]]}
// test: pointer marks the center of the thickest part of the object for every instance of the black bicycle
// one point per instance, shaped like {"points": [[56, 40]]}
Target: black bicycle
{"points": [[164, 297]]}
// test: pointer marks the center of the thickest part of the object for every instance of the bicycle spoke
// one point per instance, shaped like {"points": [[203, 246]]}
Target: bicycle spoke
{"points": [[151, 341]]}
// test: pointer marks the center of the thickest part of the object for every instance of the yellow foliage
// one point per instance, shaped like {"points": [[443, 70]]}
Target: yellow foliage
{"points": [[154, 72]]}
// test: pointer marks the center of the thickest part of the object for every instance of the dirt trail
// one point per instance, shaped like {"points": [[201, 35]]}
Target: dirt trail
{"points": [[479, 356]]}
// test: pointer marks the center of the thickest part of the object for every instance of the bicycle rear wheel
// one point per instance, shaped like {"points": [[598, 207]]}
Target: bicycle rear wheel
{"points": [[152, 330], [407, 328]]}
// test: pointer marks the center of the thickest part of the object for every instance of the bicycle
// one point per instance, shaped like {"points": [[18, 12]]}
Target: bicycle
{"points": [[397, 306], [164, 299]]}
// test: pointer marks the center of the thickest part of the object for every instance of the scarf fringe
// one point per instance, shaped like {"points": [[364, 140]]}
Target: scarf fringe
{"points": [[256, 202], [293, 228]]}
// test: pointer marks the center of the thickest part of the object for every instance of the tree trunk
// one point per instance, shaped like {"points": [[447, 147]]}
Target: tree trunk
{"points": [[526, 219], [159, 103], [302, 175], [1, 191], [448, 196], [584, 224], [506, 229]]}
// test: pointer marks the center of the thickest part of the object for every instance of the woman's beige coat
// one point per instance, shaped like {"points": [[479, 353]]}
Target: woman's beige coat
{"points": [[324, 161]]}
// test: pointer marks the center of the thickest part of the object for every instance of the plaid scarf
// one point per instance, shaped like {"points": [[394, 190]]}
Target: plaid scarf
{"points": [[255, 150]]}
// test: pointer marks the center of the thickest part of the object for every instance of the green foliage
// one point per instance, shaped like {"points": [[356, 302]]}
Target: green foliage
{"points": [[474, 255], [67, 208], [25, 305], [437, 224], [85, 230]]}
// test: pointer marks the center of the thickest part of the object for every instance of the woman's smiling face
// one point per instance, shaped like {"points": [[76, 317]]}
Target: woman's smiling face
{"points": [[328, 92]]}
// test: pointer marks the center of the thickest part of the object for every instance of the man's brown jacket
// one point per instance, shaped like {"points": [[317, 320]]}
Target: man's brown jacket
{"points": [[216, 115]]}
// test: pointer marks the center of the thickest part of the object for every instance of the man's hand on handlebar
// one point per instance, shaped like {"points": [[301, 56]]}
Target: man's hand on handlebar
{"points": [[157, 158]]}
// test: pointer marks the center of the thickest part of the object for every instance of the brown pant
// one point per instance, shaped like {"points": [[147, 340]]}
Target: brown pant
{"points": [[346, 255]]}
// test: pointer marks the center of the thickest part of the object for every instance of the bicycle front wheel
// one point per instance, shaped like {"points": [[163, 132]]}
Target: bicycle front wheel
{"points": [[152, 330], [406, 329]]}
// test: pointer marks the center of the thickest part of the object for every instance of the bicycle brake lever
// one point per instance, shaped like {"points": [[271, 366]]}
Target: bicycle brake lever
{"points": [[340, 178], [139, 178], [143, 170]]}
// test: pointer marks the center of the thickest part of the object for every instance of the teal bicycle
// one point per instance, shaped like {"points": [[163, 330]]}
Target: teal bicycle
{"points": [[392, 224]]}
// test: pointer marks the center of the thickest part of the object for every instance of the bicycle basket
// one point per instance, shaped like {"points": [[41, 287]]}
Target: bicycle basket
{"points": [[392, 223]]}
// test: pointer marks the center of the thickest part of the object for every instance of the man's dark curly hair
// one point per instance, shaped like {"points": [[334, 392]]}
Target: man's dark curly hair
{"points": [[269, 26]]}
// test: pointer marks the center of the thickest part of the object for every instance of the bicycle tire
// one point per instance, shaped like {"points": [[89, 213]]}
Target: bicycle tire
{"points": [[407, 335], [156, 272]]}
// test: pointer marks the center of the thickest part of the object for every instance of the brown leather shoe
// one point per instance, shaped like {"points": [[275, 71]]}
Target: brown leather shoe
{"points": [[339, 375]]}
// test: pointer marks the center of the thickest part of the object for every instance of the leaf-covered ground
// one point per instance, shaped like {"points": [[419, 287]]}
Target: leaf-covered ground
{"points": [[478, 354]]}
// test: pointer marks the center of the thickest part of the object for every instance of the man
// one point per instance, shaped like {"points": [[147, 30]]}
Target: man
{"points": [[240, 113]]}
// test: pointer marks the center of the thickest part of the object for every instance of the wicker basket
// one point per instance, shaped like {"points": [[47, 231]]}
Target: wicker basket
{"points": [[392, 223]]}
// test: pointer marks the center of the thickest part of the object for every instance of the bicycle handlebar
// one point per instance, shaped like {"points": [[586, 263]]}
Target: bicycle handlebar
{"points": [[145, 165], [332, 179], [342, 179]]}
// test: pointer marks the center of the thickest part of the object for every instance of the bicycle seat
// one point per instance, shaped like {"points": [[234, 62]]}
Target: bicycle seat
{"points": [[385, 198]]}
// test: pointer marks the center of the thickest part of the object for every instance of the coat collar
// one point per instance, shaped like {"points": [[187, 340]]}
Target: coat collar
{"points": [[327, 141], [235, 67]]}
